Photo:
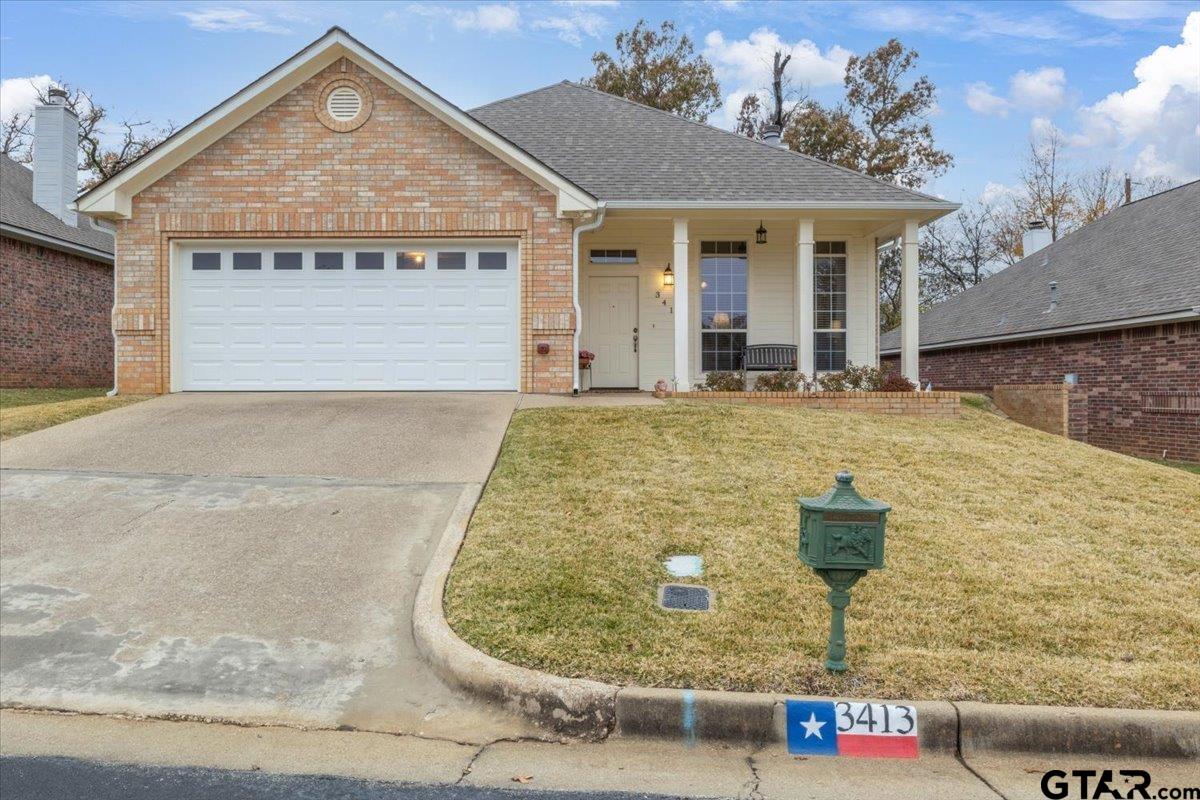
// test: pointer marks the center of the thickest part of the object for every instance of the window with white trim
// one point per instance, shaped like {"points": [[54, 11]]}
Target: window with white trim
{"points": [[829, 306], [723, 319]]}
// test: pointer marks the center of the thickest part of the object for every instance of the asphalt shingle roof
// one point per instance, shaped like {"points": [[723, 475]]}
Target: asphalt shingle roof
{"points": [[1140, 260], [18, 210], [617, 149]]}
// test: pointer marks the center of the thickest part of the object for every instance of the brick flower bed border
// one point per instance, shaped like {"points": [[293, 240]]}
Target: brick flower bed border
{"points": [[937, 405]]}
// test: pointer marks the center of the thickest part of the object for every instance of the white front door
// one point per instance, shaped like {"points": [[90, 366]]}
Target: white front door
{"points": [[330, 315], [613, 332]]}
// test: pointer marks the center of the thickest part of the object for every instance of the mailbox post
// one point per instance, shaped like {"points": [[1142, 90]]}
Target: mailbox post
{"points": [[841, 538]]}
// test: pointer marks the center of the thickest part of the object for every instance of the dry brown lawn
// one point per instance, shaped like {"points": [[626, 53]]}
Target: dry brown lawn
{"points": [[28, 410], [1021, 567]]}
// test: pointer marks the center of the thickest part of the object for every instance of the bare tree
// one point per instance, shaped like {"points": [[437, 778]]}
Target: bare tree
{"points": [[1047, 185], [786, 100], [1097, 192], [98, 159]]}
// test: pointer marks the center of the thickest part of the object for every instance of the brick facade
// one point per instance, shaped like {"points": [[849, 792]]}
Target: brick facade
{"points": [[939, 405], [54, 318], [1141, 386], [286, 174]]}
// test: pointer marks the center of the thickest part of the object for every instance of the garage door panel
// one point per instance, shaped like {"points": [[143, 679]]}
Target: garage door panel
{"points": [[303, 328]]}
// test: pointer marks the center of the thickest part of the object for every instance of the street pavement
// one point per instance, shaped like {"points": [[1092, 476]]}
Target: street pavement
{"points": [[70, 779]]}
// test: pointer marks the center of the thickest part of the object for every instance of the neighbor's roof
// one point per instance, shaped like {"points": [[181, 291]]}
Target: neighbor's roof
{"points": [[19, 213], [619, 150], [1139, 261]]}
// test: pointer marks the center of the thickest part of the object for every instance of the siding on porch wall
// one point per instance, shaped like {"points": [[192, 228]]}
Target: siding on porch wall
{"points": [[1121, 371], [771, 307], [283, 174]]}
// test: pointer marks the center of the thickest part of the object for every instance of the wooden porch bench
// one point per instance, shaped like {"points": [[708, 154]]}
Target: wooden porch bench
{"points": [[771, 357]]}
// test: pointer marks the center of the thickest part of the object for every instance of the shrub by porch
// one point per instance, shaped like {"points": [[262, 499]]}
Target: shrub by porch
{"points": [[1022, 567]]}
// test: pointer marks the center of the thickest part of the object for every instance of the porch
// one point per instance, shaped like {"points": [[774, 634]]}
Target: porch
{"points": [[811, 282]]}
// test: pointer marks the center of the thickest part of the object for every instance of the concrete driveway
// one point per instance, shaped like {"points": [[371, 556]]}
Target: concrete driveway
{"points": [[243, 556]]}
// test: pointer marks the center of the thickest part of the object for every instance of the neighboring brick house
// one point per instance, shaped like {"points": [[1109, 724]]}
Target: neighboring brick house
{"points": [[56, 271], [337, 225], [1113, 309]]}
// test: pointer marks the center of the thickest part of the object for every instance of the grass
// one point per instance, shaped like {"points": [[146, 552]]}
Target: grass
{"points": [[1183, 465], [28, 410], [1021, 567], [14, 398]]}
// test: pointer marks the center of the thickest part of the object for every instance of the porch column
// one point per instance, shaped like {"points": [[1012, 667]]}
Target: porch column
{"points": [[683, 331], [909, 304], [804, 296]]}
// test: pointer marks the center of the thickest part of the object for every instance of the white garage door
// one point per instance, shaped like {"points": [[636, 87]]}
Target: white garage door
{"points": [[336, 315]]}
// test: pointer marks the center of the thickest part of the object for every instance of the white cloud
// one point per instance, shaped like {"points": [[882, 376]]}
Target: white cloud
{"points": [[1125, 9], [20, 95], [490, 18], [1159, 116], [574, 26], [1044, 89], [745, 64], [219, 19], [996, 192], [982, 100]]}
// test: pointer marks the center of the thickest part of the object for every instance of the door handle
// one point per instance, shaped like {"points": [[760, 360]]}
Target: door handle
{"points": [[635, 343]]}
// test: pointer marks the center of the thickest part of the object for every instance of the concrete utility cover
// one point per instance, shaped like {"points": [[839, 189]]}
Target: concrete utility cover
{"points": [[685, 566], [678, 597]]}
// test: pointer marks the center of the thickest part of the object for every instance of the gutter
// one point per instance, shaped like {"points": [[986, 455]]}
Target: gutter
{"points": [[54, 242], [900, 205], [1050, 333], [579, 229]]}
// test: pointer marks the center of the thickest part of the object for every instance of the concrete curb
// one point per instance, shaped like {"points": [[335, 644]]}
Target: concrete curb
{"points": [[589, 709], [570, 707], [1125, 732], [692, 716]]}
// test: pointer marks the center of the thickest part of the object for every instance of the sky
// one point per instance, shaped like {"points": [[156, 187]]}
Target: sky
{"points": [[1119, 78]]}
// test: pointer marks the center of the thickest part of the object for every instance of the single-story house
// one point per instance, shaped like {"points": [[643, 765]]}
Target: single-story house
{"points": [[56, 267], [338, 225], [1111, 309]]}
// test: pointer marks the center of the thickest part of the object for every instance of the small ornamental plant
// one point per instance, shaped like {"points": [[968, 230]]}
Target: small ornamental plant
{"points": [[586, 357], [725, 381]]}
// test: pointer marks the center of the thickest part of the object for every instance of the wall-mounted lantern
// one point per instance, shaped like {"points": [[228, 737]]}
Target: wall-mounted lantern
{"points": [[668, 276], [760, 235]]}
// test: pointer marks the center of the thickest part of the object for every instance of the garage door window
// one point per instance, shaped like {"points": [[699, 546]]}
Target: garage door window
{"points": [[206, 261], [289, 261], [328, 260], [247, 260], [493, 260], [368, 260], [452, 260], [410, 260]]}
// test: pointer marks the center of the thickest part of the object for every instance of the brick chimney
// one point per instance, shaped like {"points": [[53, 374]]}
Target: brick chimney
{"points": [[55, 154]]}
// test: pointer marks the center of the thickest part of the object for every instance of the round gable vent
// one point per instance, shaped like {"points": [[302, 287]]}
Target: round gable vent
{"points": [[343, 104]]}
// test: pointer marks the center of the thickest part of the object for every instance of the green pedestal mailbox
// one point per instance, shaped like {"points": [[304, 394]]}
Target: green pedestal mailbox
{"points": [[841, 538]]}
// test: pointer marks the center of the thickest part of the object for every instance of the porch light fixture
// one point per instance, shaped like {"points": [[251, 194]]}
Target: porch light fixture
{"points": [[760, 235], [668, 276]]}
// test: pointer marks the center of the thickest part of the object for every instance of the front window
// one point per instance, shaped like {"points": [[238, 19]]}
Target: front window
{"points": [[829, 306], [722, 305]]}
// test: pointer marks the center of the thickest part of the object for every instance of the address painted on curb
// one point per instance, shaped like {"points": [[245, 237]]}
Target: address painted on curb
{"points": [[851, 728]]}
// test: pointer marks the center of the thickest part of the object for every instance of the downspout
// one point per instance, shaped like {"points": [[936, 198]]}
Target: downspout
{"points": [[591, 226]]}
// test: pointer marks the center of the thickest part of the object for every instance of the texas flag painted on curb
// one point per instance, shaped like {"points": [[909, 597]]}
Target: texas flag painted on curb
{"points": [[847, 728]]}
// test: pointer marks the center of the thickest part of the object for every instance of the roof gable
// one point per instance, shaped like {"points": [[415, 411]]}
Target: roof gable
{"points": [[1139, 261], [113, 198], [625, 153]]}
